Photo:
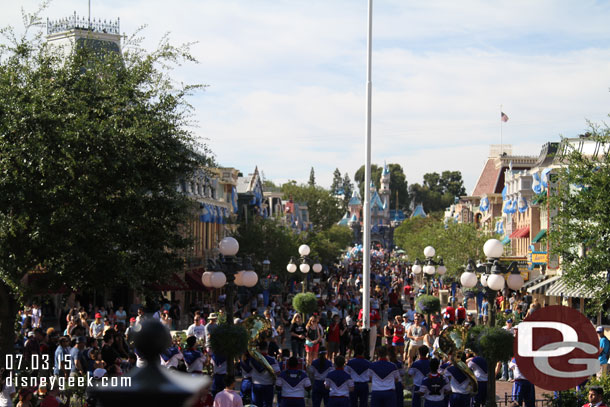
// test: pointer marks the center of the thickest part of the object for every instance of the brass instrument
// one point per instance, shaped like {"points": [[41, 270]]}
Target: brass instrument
{"points": [[257, 326], [451, 345]]}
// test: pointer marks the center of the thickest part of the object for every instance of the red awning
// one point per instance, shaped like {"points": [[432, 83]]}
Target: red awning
{"points": [[520, 233], [174, 283], [193, 279]]}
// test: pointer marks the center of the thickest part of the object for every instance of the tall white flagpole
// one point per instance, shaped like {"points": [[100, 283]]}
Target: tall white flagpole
{"points": [[501, 137], [366, 244]]}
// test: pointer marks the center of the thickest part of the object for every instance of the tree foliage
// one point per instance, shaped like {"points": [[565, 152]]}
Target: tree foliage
{"points": [[580, 228], [492, 343], [348, 190], [398, 183], [337, 186], [229, 341], [454, 242], [428, 304], [92, 146], [328, 244], [305, 303], [312, 178], [324, 208], [438, 191]]}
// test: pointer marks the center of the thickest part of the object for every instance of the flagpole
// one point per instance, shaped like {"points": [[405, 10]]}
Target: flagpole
{"points": [[501, 138], [366, 244]]}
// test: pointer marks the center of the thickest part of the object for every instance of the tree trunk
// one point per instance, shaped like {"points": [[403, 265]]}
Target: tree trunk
{"points": [[8, 311], [491, 383]]}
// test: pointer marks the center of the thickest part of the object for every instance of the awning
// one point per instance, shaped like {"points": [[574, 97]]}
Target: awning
{"points": [[561, 289], [542, 286], [539, 236], [533, 281], [506, 240], [520, 233], [174, 283], [193, 279]]}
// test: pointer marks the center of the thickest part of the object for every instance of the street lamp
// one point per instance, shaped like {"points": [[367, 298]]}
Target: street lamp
{"points": [[305, 264], [430, 268], [230, 271]]}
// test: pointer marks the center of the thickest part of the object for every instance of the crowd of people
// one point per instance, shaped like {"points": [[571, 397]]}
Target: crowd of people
{"points": [[322, 357]]}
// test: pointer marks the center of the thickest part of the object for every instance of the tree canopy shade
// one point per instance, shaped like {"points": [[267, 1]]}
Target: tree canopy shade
{"points": [[580, 219], [438, 191], [454, 242], [398, 183], [93, 144], [324, 209]]}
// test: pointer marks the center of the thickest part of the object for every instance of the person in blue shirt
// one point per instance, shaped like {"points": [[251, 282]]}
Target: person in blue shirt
{"points": [[434, 387], [340, 385], [359, 369], [293, 383], [418, 371], [604, 351], [318, 369], [384, 375]]}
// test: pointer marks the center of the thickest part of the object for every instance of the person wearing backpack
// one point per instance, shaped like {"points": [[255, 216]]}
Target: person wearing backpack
{"points": [[604, 351]]}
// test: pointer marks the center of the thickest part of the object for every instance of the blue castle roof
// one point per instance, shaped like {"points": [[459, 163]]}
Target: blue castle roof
{"points": [[419, 212]]}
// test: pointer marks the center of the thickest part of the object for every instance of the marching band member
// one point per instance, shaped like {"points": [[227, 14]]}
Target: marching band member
{"points": [[293, 383], [359, 369], [318, 370], [340, 384]]}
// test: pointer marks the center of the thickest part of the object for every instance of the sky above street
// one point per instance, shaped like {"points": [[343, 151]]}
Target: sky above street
{"points": [[286, 78]]}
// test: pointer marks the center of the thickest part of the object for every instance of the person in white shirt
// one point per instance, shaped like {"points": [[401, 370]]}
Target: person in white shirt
{"points": [[196, 329], [228, 397], [36, 315]]}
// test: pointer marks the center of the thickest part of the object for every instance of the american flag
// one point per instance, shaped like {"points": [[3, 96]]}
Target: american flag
{"points": [[503, 117]]}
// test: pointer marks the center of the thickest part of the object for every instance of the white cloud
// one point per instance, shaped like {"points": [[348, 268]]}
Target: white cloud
{"points": [[287, 78]]}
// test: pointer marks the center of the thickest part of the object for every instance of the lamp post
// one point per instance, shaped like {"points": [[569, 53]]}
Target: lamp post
{"points": [[230, 271], [430, 268], [492, 278], [305, 265]]}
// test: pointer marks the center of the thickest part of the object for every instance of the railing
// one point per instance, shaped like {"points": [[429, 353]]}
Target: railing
{"points": [[509, 399], [75, 22]]}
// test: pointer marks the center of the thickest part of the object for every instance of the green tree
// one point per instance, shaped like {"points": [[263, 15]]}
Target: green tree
{"points": [[398, 183], [328, 244], [438, 191], [337, 186], [92, 146], [324, 208], [312, 178], [268, 239], [580, 227], [348, 190], [454, 242]]}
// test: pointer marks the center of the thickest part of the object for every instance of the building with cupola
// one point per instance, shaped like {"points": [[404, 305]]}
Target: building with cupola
{"points": [[383, 220]]}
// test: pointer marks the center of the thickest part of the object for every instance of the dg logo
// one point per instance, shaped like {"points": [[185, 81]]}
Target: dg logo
{"points": [[556, 348]]}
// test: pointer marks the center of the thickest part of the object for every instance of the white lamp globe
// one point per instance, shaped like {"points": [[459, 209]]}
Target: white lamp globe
{"points": [[304, 250], [206, 278], [514, 281], [430, 270], [468, 279], [484, 280], [496, 282], [429, 251], [250, 278], [416, 269], [493, 248], [218, 279], [317, 268], [304, 267], [291, 267], [228, 246], [441, 270], [239, 278]]}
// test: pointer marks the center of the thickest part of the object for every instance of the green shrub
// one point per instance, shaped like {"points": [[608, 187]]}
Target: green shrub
{"points": [[229, 341], [494, 344], [428, 304], [305, 303]]}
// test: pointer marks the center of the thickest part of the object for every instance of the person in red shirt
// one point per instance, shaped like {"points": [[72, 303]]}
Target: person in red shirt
{"points": [[460, 313], [596, 395], [51, 400], [398, 340], [334, 338], [451, 312], [408, 290]]}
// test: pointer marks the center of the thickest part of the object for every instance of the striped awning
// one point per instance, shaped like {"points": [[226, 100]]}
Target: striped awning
{"points": [[520, 233], [561, 289], [533, 281], [542, 286], [539, 236]]}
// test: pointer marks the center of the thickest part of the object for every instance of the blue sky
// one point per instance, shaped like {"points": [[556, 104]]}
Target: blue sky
{"points": [[287, 78]]}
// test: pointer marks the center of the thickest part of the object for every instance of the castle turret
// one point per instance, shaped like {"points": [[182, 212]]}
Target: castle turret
{"points": [[78, 31], [384, 192]]}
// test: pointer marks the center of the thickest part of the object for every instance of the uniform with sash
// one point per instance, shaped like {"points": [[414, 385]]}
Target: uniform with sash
{"points": [[339, 383], [478, 365], [194, 359], [293, 383], [384, 376], [245, 390], [171, 357], [418, 371], [359, 369], [399, 385], [262, 381], [220, 370], [460, 387], [434, 387], [318, 370]]}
